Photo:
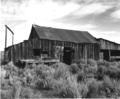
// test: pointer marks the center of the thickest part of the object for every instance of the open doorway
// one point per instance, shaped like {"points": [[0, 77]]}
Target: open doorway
{"points": [[106, 55], [68, 55]]}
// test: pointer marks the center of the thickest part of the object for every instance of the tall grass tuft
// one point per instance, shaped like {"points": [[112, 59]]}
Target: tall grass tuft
{"points": [[67, 88], [74, 68]]}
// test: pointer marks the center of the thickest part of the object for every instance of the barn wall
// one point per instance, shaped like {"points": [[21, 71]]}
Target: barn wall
{"points": [[104, 44], [24, 50]]}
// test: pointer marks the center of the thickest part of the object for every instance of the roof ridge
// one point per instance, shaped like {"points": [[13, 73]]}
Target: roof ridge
{"points": [[59, 28]]}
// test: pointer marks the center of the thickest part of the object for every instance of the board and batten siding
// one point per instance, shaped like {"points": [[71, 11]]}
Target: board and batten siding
{"points": [[24, 50]]}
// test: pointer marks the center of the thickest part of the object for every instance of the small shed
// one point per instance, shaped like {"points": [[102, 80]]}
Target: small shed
{"points": [[109, 50]]}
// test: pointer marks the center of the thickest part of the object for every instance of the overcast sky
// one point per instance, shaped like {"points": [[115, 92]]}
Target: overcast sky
{"points": [[100, 17]]}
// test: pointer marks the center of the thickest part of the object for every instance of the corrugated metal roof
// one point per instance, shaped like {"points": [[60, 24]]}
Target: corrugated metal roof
{"points": [[64, 34]]}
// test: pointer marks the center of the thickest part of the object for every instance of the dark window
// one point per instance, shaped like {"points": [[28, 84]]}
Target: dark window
{"points": [[36, 52]]}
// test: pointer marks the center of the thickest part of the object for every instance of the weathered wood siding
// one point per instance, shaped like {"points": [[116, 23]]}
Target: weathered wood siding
{"points": [[105, 44], [24, 50]]}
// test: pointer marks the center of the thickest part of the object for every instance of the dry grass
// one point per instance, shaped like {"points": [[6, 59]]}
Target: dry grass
{"points": [[86, 79]]}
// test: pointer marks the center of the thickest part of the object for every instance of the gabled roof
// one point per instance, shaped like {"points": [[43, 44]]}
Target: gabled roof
{"points": [[63, 34]]}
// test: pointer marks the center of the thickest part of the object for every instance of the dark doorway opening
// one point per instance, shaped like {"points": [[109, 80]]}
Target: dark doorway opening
{"points": [[106, 55], [68, 55]]}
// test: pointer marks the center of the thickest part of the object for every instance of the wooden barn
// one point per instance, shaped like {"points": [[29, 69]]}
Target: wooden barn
{"points": [[109, 50], [65, 45]]}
